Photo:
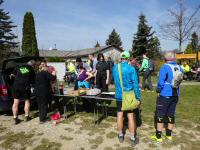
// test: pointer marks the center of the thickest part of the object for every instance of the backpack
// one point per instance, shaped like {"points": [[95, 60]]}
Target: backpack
{"points": [[177, 76], [151, 66]]}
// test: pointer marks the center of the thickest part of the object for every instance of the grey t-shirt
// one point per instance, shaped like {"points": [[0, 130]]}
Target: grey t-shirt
{"points": [[94, 65]]}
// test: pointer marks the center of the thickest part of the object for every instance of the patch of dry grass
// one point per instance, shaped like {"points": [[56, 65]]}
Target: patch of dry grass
{"points": [[125, 148], [11, 140], [97, 141], [66, 138], [94, 147], [2, 129], [40, 134], [48, 145], [69, 129], [111, 135], [108, 148]]}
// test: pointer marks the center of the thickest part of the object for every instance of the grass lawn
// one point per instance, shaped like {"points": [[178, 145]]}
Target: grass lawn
{"points": [[187, 117], [188, 107]]}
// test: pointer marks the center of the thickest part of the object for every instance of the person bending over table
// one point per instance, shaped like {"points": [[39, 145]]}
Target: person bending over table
{"points": [[83, 77]]}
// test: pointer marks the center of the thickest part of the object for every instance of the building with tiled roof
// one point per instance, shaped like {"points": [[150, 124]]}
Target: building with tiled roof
{"points": [[108, 51]]}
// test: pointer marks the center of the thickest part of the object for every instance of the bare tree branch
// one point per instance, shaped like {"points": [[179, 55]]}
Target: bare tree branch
{"points": [[182, 25]]}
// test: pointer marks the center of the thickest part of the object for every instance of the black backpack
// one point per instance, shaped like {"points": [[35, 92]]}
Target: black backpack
{"points": [[151, 66]]}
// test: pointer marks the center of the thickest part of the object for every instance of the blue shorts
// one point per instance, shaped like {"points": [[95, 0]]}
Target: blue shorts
{"points": [[84, 84], [166, 106]]}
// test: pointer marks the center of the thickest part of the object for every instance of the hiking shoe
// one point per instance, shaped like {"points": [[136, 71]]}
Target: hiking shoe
{"points": [[168, 137], [121, 138], [154, 138], [134, 141], [16, 121], [27, 118], [174, 131]]}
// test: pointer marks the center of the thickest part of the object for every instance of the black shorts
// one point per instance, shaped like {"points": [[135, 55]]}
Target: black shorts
{"points": [[119, 108], [166, 106], [21, 93]]}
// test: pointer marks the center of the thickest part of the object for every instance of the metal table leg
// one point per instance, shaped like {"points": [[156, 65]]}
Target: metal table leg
{"points": [[75, 101], [65, 111]]}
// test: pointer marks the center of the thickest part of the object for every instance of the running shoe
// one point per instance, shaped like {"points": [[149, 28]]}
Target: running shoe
{"points": [[154, 138], [121, 138]]}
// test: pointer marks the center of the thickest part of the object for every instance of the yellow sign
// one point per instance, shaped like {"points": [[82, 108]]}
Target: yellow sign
{"points": [[188, 56], [199, 56]]}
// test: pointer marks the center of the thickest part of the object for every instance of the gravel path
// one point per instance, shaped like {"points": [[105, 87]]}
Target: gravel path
{"points": [[79, 133]]}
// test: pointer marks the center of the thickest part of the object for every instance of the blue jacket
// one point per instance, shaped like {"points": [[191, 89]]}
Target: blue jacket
{"points": [[129, 78], [165, 77]]}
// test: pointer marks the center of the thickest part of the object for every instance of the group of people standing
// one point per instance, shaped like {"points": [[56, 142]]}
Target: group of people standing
{"points": [[97, 72], [26, 79], [94, 73], [168, 90]]}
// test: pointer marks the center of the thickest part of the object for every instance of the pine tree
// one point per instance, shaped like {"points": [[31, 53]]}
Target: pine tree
{"points": [[188, 49], [143, 40], [194, 42], [97, 45], [6, 35], [114, 39], [193, 46], [154, 47], [29, 41]]}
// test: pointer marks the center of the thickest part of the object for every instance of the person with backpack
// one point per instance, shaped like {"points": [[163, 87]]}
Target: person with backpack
{"points": [[170, 77], [147, 70]]}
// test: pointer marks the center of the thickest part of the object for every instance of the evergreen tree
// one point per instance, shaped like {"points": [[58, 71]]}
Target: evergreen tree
{"points": [[29, 41], [154, 47], [97, 45], [193, 46], [188, 49], [114, 39], [194, 42], [144, 41], [6, 35]]}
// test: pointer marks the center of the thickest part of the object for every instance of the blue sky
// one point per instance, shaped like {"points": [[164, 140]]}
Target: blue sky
{"points": [[78, 24]]}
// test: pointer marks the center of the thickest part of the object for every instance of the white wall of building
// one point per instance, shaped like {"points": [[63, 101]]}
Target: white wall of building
{"points": [[60, 69]]}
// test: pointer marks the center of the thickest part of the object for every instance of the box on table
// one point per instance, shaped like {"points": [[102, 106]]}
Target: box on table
{"points": [[79, 92]]}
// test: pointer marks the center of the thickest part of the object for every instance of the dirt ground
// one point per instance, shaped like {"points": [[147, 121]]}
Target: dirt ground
{"points": [[79, 133]]}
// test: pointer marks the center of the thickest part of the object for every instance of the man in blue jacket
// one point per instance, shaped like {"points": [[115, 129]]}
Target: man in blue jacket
{"points": [[168, 91], [130, 82]]}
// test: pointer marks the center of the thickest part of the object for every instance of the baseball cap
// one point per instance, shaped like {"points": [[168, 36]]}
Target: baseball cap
{"points": [[125, 54]]}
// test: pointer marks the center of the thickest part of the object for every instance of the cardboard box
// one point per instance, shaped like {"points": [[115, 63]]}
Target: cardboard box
{"points": [[79, 92]]}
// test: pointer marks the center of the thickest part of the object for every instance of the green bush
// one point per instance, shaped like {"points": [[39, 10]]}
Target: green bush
{"points": [[55, 59]]}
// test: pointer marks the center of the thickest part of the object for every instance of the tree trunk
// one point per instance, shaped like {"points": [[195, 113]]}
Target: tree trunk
{"points": [[180, 46]]}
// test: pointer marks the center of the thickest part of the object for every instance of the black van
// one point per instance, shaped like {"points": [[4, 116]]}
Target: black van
{"points": [[6, 83]]}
